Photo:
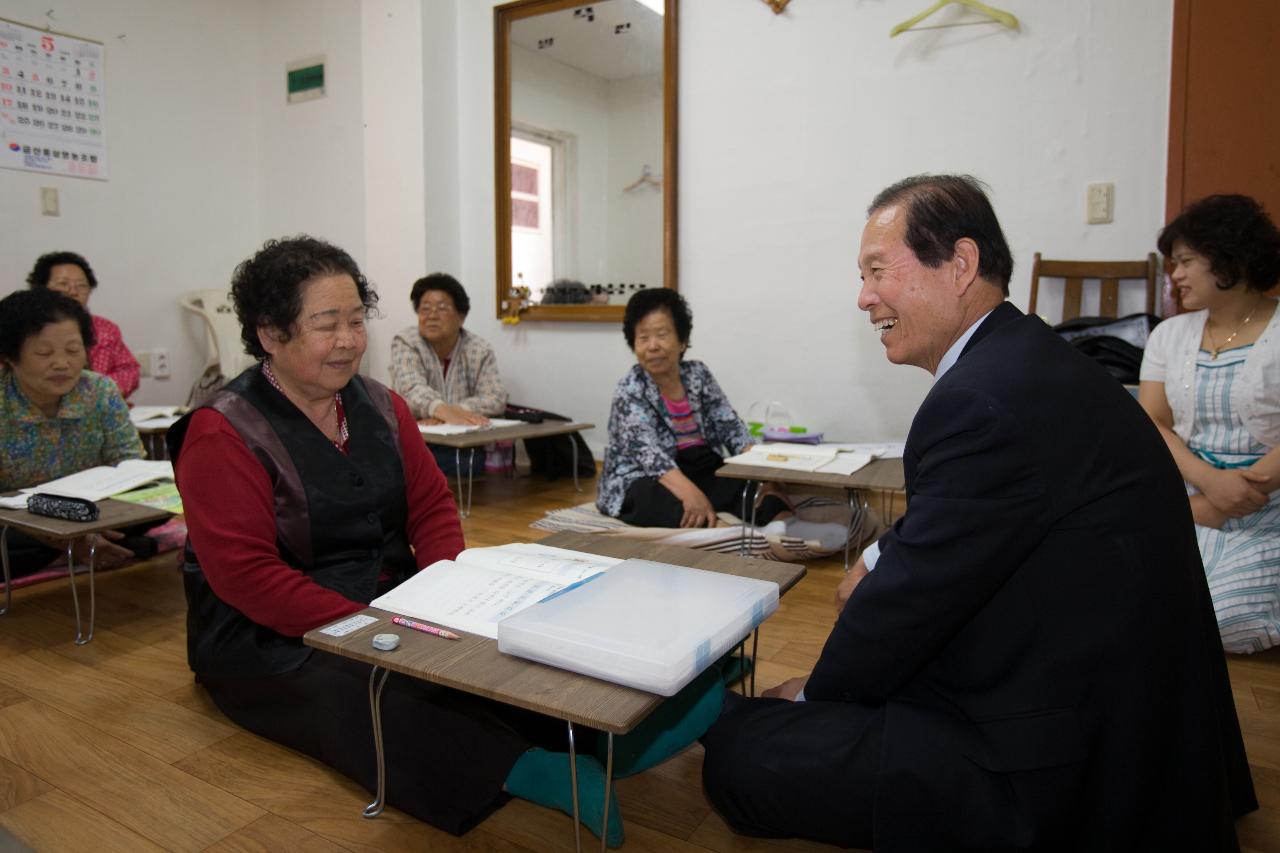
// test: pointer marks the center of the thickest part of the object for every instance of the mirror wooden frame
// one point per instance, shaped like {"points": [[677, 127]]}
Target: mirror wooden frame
{"points": [[503, 17]]}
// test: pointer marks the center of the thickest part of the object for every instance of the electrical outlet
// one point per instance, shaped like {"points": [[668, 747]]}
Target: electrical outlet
{"points": [[160, 363], [49, 201], [1101, 203]]}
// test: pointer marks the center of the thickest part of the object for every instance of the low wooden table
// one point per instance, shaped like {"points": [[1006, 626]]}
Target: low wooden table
{"points": [[479, 438], [883, 475], [112, 515], [474, 664]]}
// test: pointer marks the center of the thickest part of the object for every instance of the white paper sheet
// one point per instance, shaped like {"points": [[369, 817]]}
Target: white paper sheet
{"points": [[459, 429]]}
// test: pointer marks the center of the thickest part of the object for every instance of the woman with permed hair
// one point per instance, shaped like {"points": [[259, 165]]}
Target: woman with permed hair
{"points": [[668, 425], [1211, 382], [308, 492], [70, 274]]}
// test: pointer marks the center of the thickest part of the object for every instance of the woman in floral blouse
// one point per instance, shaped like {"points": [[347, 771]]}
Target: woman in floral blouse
{"points": [[667, 427], [56, 418], [69, 273]]}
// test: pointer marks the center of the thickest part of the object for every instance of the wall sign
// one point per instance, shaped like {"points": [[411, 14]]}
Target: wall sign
{"points": [[52, 104], [304, 80]]}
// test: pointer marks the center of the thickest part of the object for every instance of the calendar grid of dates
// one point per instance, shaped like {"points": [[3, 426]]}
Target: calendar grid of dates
{"points": [[51, 103]]}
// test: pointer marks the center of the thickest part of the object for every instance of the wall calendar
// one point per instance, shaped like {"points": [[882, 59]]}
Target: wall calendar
{"points": [[52, 103]]}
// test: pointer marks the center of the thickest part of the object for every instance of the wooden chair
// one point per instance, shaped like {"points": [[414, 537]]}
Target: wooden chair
{"points": [[1108, 273]]}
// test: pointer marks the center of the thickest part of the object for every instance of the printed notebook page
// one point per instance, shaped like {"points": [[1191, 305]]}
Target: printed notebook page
{"points": [[469, 598]]}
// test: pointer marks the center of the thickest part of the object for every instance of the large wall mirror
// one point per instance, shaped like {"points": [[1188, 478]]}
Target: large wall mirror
{"points": [[585, 146]]}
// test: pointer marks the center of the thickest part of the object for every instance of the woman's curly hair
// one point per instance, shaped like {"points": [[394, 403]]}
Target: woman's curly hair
{"points": [[39, 275], [267, 288], [645, 302], [1235, 234]]}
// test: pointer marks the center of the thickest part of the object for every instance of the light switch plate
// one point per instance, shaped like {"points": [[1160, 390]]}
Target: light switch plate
{"points": [[49, 201], [1101, 203]]}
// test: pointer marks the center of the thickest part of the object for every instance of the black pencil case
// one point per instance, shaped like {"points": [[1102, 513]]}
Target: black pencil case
{"points": [[58, 506]]}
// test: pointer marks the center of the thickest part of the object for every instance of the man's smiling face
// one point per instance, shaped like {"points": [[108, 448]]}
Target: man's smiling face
{"points": [[913, 307]]}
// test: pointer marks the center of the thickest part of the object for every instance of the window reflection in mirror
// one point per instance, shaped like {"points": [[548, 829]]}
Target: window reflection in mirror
{"points": [[589, 210]]}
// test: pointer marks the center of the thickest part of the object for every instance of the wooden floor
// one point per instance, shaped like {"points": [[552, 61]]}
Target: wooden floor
{"points": [[110, 746]]}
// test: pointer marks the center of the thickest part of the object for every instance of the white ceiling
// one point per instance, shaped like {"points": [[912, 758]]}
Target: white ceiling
{"points": [[589, 43]]}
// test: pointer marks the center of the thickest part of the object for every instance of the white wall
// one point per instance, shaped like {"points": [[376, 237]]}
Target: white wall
{"points": [[788, 127], [395, 219], [635, 217], [550, 96], [183, 199], [312, 153]]}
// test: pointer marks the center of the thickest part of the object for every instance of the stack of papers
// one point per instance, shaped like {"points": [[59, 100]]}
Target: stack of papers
{"points": [[459, 429]]}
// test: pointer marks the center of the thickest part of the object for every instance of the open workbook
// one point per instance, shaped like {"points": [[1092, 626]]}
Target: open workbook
{"points": [[95, 484], [485, 585]]}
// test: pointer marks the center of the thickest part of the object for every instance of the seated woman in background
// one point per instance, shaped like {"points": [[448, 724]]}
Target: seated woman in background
{"points": [[56, 417], [69, 273], [1211, 382], [668, 421], [443, 371], [308, 492]]}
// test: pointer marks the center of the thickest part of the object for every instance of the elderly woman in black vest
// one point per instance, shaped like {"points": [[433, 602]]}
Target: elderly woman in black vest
{"points": [[308, 491]]}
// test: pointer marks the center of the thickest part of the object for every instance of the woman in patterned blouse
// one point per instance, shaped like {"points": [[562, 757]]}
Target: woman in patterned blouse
{"points": [[56, 418], [69, 273], [669, 421]]}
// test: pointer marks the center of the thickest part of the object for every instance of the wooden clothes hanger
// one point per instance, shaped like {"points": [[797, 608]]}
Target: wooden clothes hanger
{"points": [[646, 177], [998, 16]]}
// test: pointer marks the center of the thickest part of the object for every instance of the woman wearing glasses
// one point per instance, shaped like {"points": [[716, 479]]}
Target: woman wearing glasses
{"points": [[69, 273], [443, 371]]}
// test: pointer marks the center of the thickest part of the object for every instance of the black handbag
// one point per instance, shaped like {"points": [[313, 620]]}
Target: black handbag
{"points": [[1113, 343]]}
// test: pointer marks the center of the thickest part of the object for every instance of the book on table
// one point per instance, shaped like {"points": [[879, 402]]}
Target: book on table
{"points": [[163, 495], [648, 625], [103, 481], [474, 592], [825, 458]]}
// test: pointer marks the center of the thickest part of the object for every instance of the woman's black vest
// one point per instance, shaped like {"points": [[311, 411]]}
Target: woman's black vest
{"points": [[340, 518]]}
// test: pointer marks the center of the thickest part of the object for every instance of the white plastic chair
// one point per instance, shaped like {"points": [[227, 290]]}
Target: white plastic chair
{"points": [[222, 331]]}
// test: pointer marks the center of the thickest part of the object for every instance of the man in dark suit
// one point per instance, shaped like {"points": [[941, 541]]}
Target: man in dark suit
{"points": [[1028, 659]]}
